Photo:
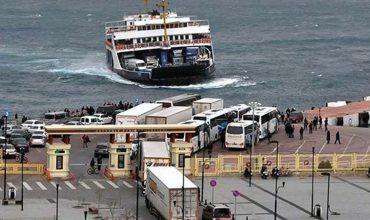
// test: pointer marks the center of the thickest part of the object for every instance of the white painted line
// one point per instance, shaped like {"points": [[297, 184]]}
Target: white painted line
{"points": [[11, 185], [322, 148], [1, 189], [55, 185], [112, 184], [28, 187], [273, 150], [296, 152], [84, 185], [38, 150], [127, 184], [41, 186], [368, 149], [350, 140], [69, 184], [98, 184]]}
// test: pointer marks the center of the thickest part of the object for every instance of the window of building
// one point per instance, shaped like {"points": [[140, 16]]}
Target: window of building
{"points": [[121, 161], [181, 160], [59, 164]]}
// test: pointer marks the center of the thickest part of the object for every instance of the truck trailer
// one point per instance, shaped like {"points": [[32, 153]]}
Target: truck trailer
{"points": [[206, 104], [164, 194]]}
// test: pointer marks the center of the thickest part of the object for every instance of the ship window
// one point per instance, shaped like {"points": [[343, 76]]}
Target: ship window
{"points": [[176, 37], [181, 37], [167, 26], [176, 25], [171, 25], [162, 26], [158, 26], [160, 38], [171, 37], [139, 28], [149, 27], [185, 24], [180, 25], [187, 37], [144, 28]]}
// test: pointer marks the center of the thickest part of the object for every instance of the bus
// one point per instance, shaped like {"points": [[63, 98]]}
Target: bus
{"points": [[185, 99], [267, 118], [198, 139], [240, 110], [216, 120], [240, 134]]}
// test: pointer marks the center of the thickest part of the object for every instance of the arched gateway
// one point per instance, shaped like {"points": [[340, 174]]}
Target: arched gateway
{"points": [[58, 145]]}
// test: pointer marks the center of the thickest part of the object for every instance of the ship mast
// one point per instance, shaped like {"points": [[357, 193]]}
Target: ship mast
{"points": [[163, 5], [146, 2]]}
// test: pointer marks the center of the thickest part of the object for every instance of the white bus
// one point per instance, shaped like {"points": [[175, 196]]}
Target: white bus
{"points": [[267, 117], [240, 110], [186, 99], [198, 139], [240, 134], [217, 120]]}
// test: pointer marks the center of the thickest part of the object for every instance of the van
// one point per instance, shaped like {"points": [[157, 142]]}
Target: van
{"points": [[216, 212], [136, 64], [90, 120], [53, 116]]}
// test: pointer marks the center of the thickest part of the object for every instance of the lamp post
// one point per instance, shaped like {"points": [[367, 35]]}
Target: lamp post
{"points": [[4, 158], [277, 174], [57, 203], [327, 200], [22, 161], [253, 105], [312, 173], [183, 185], [205, 128], [138, 163]]}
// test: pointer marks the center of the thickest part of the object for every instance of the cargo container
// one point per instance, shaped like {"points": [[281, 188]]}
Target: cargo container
{"points": [[164, 194], [206, 104], [153, 154]]}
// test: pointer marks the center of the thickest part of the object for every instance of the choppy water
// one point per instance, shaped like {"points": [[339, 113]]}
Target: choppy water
{"points": [[287, 53]]}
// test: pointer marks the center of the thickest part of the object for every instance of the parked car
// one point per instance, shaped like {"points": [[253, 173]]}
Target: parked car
{"points": [[40, 127], [296, 117], [14, 136], [21, 143], [101, 150], [9, 129], [90, 120], [30, 123], [73, 123], [104, 118], [37, 140], [9, 150], [23, 132], [216, 211], [43, 133]]}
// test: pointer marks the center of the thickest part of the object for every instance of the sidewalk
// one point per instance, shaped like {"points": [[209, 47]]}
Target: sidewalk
{"points": [[45, 209]]}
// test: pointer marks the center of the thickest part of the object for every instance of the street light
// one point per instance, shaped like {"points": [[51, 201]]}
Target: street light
{"points": [[327, 200], [277, 174], [138, 163], [5, 202], [205, 128], [183, 185], [312, 170], [57, 203], [22, 161], [253, 105]]}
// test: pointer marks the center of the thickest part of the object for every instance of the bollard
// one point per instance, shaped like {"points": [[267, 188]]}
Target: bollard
{"points": [[317, 210]]}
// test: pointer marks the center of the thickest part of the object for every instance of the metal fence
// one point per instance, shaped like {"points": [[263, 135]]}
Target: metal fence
{"points": [[225, 165]]}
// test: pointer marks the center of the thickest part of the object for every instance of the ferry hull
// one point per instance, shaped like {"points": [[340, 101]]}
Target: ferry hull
{"points": [[174, 75]]}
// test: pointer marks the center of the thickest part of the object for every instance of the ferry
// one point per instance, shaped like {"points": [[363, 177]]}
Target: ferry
{"points": [[160, 48]]}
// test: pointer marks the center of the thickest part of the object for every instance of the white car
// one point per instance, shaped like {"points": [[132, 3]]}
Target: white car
{"points": [[40, 127], [104, 118], [37, 140], [10, 150], [40, 132], [27, 124], [90, 120]]}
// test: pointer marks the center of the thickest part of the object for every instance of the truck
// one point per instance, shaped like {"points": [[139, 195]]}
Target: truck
{"points": [[164, 194], [153, 154], [135, 115], [171, 115], [205, 104]]}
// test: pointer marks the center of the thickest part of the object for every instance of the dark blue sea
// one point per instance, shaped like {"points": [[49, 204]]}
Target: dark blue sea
{"points": [[289, 53]]}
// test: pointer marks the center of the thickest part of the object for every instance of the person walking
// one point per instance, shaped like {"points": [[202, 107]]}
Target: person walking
{"points": [[85, 141], [328, 137], [301, 133], [326, 124], [320, 122], [337, 138]]}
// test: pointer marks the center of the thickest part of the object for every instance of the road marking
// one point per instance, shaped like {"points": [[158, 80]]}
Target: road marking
{"points": [[273, 150], [98, 184], [296, 152], [38, 150], [1, 189], [28, 187], [84, 185], [112, 184], [127, 184], [322, 148], [69, 184], [368, 149], [41, 186], [11, 185], [55, 185], [350, 140]]}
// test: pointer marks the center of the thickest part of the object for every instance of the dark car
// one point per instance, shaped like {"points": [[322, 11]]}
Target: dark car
{"points": [[21, 143], [296, 117], [101, 150], [24, 132]]}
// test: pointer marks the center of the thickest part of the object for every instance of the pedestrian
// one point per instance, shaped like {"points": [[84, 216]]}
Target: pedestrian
{"points": [[326, 124], [337, 138], [100, 161], [320, 122], [301, 133], [85, 140], [305, 123], [222, 139], [310, 127], [328, 137]]}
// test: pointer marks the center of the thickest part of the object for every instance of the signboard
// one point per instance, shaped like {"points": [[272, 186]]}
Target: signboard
{"points": [[236, 193], [213, 183], [59, 151]]}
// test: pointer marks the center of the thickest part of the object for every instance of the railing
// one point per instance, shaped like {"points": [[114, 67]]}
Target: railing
{"points": [[33, 169], [235, 164], [159, 44]]}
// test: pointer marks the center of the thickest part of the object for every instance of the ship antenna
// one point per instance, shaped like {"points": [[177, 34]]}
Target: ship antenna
{"points": [[163, 5], [146, 6]]}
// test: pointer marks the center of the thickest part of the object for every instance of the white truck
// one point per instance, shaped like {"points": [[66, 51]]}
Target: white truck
{"points": [[164, 194], [135, 115], [171, 115], [135, 64], [206, 104], [153, 154]]}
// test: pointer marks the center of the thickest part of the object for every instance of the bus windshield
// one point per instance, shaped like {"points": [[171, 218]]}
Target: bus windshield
{"points": [[234, 130], [250, 117]]}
